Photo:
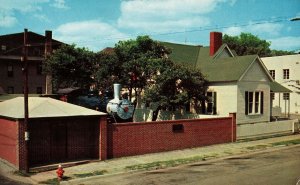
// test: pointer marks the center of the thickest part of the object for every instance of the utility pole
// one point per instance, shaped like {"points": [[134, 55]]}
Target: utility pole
{"points": [[26, 114]]}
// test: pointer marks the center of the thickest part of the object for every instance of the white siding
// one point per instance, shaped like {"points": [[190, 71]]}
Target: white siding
{"points": [[253, 86], [291, 62], [226, 98], [255, 79], [255, 74]]}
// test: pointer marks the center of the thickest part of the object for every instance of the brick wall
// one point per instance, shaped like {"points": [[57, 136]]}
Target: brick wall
{"points": [[22, 153], [8, 140], [127, 139]]}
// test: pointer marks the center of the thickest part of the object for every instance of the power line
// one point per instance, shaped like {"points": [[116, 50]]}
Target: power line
{"points": [[206, 28], [196, 29]]}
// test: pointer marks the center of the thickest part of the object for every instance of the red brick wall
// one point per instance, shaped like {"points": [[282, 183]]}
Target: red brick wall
{"points": [[8, 140], [127, 139]]}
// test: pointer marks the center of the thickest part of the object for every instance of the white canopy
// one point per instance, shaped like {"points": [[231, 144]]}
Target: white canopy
{"points": [[39, 107]]}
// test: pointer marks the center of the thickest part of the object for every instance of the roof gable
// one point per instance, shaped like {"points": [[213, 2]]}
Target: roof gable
{"points": [[256, 72], [223, 52], [42, 108]]}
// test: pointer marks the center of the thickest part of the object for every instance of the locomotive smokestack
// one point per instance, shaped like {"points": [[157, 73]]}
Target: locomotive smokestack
{"points": [[117, 91]]}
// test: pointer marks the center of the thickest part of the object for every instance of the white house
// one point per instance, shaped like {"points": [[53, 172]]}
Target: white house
{"points": [[240, 84], [286, 71]]}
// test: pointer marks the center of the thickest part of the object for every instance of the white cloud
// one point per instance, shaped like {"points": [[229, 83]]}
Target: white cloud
{"points": [[41, 17], [92, 34], [285, 43], [22, 6], [61, 4], [8, 8], [272, 29], [233, 31], [167, 15], [7, 20]]}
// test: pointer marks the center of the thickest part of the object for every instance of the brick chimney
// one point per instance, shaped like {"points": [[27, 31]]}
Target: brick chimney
{"points": [[48, 42], [215, 42]]}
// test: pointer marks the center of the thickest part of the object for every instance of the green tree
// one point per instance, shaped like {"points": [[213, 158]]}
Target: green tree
{"points": [[107, 70], [177, 86], [248, 44], [142, 65], [132, 63], [70, 67]]}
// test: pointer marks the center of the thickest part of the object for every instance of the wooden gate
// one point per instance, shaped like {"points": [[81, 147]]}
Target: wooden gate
{"points": [[61, 140]]}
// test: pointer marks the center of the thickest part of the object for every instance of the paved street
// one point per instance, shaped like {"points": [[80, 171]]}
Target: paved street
{"points": [[281, 167]]}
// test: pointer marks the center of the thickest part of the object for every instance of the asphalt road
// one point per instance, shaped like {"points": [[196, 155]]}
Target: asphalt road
{"points": [[281, 167]]}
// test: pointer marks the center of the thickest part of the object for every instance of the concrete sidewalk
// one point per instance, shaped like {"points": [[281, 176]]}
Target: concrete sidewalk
{"points": [[126, 164]]}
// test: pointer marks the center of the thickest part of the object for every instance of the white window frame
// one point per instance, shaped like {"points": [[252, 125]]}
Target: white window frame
{"points": [[254, 102]]}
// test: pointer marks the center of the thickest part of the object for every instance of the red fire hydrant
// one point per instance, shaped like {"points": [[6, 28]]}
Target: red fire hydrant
{"points": [[60, 172]]}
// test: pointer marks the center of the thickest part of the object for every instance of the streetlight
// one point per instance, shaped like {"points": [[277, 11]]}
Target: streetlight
{"points": [[295, 19]]}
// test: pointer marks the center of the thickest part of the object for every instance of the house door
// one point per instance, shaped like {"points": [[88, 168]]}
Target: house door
{"points": [[59, 134]]}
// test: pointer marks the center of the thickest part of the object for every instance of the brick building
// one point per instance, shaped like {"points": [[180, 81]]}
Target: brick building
{"points": [[56, 132], [11, 52]]}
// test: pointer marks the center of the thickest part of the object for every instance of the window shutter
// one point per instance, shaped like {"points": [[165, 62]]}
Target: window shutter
{"points": [[215, 103], [262, 103], [246, 102]]}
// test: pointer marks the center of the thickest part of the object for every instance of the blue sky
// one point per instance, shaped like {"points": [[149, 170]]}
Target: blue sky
{"points": [[97, 24]]}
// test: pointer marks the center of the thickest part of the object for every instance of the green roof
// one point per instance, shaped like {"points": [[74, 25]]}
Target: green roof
{"points": [[215, 69], [183, 54], [276, 87]]}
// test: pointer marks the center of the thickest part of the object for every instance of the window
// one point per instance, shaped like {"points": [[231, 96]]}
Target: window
{"points": [[272, 73], [254, 102], [286, 74], [10, 70], [10, 90], [3, 48], [39, 69], [286, 96], [212, 103], [39, 90]]}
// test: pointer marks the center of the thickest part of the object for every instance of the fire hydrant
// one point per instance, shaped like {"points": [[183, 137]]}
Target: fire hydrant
{"points": [[60, 172]]}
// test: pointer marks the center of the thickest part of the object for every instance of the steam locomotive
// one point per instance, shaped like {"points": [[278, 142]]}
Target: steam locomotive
{"points": [[119, 109]]}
